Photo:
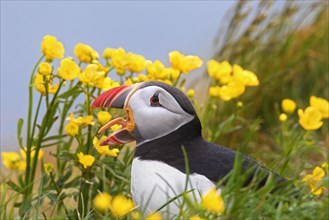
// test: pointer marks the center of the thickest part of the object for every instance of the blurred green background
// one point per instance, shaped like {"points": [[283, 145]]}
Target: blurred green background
{"points": [[286, 44]]}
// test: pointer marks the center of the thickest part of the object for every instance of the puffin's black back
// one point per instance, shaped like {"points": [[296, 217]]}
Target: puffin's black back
{"points": [[205, 158]]}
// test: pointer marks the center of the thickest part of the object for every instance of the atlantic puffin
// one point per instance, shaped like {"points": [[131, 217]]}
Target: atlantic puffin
{"points": [[162, 121]]}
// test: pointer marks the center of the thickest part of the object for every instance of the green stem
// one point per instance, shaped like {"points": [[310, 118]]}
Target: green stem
{"points": [[176, 82], [36, 117], [46, 82], [66, 108], [29, 121], [58, 193], [86, 174], [89, 126], [40, 138], [84, 192]]}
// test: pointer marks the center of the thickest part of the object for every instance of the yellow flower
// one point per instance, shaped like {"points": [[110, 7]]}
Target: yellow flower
{"points": [[173, 73], [325, 165], [239, 104], [22, 165], [120, 61], [102, 202], [247, 77], [108, 83], [310, 119], [141, 78], [72, 129], [154, 216], [85, 53], [53, 89], [101, 68], [190, 92], [128, 82], [116, 127], [103, 117], [86, 160], [321, 104], [314, 179], [136, 62], [221, 71], [214, 91], [24, 150], [45, 68], [136, 215], [90, 76], [156, 70], [52, 48], [121, 205], [88, 120], [12, 161], [108, 53], [232, 90], [288, 105], [68, 69], [176, 58], [39, 84], [317, 174], [195, 217], [49, 168], [283, 117], [213, 202], [81, 121], [104, 149], [184, 63]]}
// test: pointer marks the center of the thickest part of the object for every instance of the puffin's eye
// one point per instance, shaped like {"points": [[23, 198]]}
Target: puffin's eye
{"points": [[155, 101]]}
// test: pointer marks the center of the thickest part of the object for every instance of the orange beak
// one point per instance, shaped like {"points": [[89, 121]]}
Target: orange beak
{"points": [[117, 97]]}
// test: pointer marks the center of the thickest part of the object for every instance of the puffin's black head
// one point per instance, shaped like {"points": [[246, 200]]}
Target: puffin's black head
{"points": [[153, 109]]}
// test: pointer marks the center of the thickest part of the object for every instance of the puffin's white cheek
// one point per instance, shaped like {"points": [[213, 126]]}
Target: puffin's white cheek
{"points": [[156, 122]]}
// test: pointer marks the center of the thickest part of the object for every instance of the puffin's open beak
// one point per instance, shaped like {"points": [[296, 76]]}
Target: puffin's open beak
{"points": [[117, 97]]}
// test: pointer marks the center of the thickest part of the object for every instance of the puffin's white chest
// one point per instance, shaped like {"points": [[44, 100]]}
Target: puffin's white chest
{"points": [[153, 183]]}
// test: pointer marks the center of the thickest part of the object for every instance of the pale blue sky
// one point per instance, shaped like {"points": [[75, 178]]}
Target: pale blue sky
{"points": [[152, 29]]}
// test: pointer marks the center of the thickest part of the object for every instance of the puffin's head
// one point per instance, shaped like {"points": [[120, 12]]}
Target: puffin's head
{"points": [[153, 110]]}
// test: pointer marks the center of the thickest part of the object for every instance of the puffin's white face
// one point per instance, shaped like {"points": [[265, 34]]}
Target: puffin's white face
{"points": [[152, 111], [156, 113]]}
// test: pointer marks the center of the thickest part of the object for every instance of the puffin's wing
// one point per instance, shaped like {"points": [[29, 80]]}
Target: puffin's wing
{"points": [[215, 162]]}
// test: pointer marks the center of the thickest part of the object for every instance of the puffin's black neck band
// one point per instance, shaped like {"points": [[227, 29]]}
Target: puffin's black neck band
{"points": [[163, 147]]}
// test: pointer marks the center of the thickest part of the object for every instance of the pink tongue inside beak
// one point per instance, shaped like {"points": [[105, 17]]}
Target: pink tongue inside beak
{"points": [[121, 136]]}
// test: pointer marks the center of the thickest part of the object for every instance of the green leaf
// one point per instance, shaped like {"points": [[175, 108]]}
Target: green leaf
{"points": [[67, 175], [52, 197], [73, 183], [21, 181], [51, 116], [19, 131], [70, 92], [51, 144], [17, 204], [174, 198], [54, 137], [14, 186]]}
